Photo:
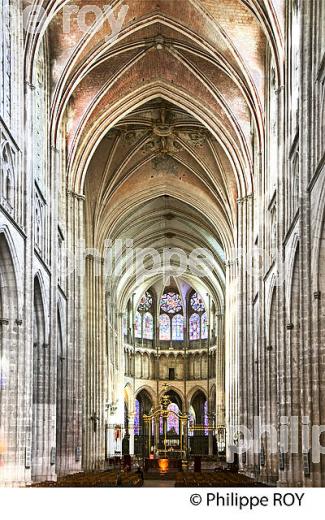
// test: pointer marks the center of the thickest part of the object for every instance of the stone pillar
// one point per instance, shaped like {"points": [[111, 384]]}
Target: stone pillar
{"points": [[72, 451], [231, 353], [245, 325], [23, 475], [220, 372], [310, 381], [96, 396], [131, 433], [248, 459]]}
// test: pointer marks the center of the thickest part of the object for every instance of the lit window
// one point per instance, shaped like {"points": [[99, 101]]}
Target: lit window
{"points": [[164, 327], [172, 420], [148, 326], [204, 326], [145, 302], [137, 418], [6, 58], [171, 303], [40, 116], [197, 303], [206, 419], [178, 328], [195, 322], [138, 325]]}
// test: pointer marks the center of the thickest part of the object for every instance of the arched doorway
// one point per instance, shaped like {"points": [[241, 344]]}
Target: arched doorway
{"points": [[198, 434], [170, 432], [143, 406]]}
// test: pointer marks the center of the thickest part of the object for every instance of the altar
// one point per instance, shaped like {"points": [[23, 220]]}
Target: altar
{"points": [[163, 465], [164, 443]]}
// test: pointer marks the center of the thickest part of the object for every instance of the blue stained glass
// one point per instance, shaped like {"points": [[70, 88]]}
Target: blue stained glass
{"points": [[138, 323], [191, 422], [178, 328], [164, 327], [171, 303], [195, 322], [197, 303], [205, 419], [204, 326], [148, 326], [145, 302], [172, 421], [137, 418]]}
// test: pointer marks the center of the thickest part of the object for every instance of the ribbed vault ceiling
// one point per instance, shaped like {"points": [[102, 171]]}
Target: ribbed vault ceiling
{"points": [[164, 121]]}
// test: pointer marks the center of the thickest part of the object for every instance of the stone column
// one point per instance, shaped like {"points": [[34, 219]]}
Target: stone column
{"points": [[240, 340], [249, 336], [284, 337], [231, 353], [75, 341], [26, 335], [131, 433], [310, 380], [95, 365], [220, 372]]}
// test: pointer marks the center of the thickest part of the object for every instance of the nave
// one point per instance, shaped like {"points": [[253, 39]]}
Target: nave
{"points": [[162, 237]]}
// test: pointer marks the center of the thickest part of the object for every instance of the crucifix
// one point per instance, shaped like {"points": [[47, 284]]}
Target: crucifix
{"points": [[95, 419]]}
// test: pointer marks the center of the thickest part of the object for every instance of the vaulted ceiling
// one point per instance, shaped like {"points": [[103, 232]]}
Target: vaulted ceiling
{"points": [[163, 120]]}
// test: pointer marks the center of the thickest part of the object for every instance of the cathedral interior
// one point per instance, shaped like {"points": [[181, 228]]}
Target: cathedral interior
{"points": [[162, 237]]}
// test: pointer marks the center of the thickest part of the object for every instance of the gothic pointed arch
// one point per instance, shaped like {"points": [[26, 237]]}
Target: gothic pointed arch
{"points": [[41, 388], [9, 353]]}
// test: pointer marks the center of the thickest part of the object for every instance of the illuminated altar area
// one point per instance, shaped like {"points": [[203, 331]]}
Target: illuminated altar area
{"points": [[173, 430], [172, 335]]}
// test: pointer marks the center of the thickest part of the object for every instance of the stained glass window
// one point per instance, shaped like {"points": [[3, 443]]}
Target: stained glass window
{"points": [[171, 303], [145, 302], [197, 303], [172, 421], [195, 327], [164, 327], [124, 326], [137, 418], [205, 418], [138, 320], [148, 326], [191, 421], [39, 115], [6, 37], [177, 328], [204, 326]]}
